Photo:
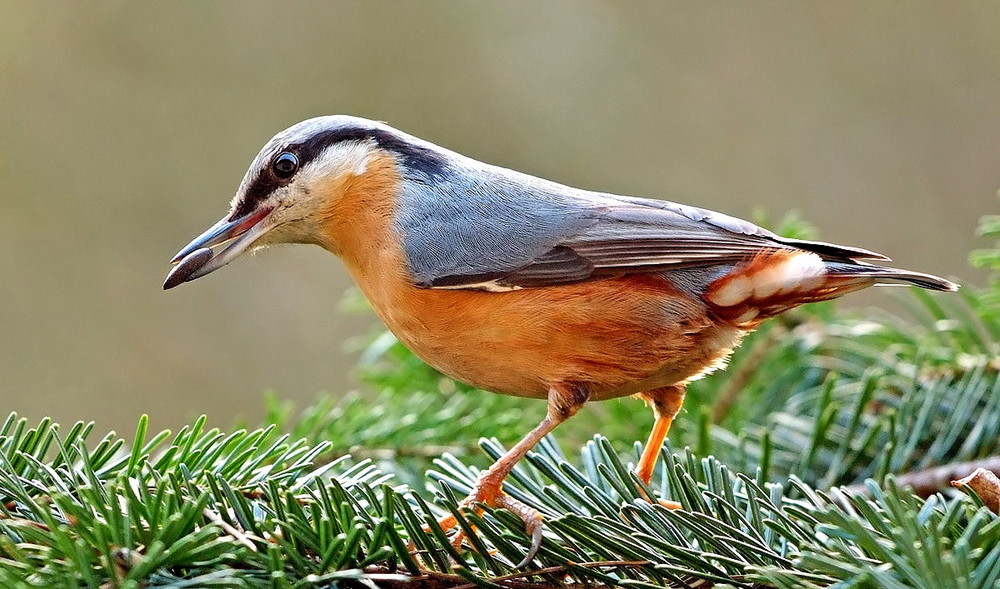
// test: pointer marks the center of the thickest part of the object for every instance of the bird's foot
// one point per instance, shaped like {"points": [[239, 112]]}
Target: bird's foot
{"points": [[664, 502], [669, 504], [491, 495]]}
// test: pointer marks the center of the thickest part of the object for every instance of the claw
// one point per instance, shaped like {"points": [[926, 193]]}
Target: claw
{"points": [[532, 518], [533, 524]]}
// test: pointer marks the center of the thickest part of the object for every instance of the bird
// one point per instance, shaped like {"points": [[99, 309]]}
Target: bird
{"points": [[523, 286]]}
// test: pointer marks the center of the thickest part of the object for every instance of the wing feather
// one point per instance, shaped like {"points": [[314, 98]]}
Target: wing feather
{"points": [[516, 231]]}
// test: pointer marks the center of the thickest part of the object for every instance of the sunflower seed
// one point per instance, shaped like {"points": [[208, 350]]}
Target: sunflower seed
{"points": [[188, 266]]}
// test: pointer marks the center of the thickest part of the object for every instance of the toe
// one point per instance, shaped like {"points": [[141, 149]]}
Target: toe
{"points": [[535, 529], [486, 492], [447, 523], [533, 524]]}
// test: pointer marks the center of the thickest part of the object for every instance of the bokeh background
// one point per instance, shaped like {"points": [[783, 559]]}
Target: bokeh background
{"points": [[125, 128]]}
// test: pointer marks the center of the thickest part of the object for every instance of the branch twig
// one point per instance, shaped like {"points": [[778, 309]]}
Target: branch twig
{"points": [[926, 482], [437, 580], [237, 535]]}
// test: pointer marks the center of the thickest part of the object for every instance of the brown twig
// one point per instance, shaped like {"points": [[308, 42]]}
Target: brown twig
{"points": [[20, 521], [925, 483], [429, 451], [237, 535], [436, 580], [561, 569]]}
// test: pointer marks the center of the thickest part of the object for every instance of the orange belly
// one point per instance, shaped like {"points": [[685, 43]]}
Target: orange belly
{"points": [[617, 336]]}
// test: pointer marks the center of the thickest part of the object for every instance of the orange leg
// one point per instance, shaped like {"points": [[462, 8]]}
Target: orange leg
{"points": [[564, 402], [666, 403]]}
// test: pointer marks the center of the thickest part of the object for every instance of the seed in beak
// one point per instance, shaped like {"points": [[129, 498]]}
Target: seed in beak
{"points": [[187, 266]]}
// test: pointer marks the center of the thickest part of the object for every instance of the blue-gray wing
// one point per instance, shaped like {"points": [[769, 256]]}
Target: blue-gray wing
{"points": [[508, 230]]}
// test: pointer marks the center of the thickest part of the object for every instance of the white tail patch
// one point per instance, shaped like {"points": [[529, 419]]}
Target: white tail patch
{"points": [[799, 273], [746, 316], [734, 292], [770, 276]]}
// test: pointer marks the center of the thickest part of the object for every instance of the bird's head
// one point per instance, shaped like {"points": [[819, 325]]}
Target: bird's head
{"points": [[311, 183]]}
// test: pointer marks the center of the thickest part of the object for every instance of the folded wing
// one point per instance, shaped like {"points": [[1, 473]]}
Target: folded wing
{"points": [[517, 231]]}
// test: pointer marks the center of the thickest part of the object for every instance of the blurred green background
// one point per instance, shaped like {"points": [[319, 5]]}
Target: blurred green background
{"points": [[125, 128]]}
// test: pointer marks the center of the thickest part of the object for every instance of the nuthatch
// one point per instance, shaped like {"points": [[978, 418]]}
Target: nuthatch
{"points": [[522, 286]]}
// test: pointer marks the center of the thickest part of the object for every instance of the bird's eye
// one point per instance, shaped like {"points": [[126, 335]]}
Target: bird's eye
{"points": [[285, 165]]}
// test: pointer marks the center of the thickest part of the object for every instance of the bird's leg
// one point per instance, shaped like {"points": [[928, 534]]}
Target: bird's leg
{"points": [[564, 402], [666, 403]]}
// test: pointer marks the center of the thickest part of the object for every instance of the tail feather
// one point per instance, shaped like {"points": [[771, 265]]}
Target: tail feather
{"points": [[832, 251], [886, 275], [776, 281]]}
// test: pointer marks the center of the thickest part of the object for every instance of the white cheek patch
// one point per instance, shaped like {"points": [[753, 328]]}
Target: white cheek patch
{"points": [[351, 157], [798, 272], [304, 198], [346, 158]]}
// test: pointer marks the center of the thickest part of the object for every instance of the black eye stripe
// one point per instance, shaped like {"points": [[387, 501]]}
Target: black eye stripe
{"points": [[416, 158]]}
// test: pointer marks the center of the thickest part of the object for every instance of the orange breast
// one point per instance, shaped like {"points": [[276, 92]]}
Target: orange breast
{"points": [[618, 336]]}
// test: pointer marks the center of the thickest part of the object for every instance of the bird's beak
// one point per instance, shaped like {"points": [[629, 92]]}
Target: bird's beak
{"points": [[196, 259]]}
